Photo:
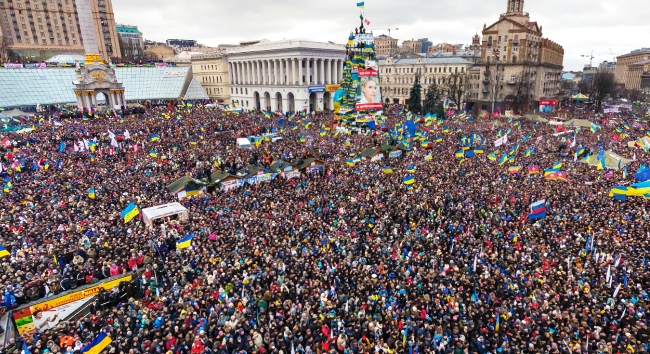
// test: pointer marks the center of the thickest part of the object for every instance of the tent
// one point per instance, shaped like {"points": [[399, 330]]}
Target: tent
{"points": [[611, 160], [644, 140], [579, 97], [16, 113], [578, 123], [149, 215], [532, 118]]}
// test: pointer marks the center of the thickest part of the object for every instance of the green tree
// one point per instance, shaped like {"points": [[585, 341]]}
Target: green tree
{"points": [[415, 99], [433, 100]]}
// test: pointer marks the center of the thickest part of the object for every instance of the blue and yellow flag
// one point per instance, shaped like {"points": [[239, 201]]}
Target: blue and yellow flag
{"points": [[130, 212], [410, 169], [185, 242], [97, 345], [408, 180], [153, 153], [601, 164], [91, 193], [3, 252], [557, 164], [388, 170], [361, 5], [155, 137]]}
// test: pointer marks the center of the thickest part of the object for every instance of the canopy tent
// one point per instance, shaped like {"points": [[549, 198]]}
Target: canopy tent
{"points": [[16, 113], [181, 184], [532, 118], [640, 143], [611, 160], [578, 123], [580, 97], [149, 215]]}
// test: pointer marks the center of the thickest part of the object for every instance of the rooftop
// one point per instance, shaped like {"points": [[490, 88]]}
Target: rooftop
{"points": [[127, 29], [266, 45]]}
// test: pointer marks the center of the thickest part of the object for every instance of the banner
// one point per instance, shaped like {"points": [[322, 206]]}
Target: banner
{"points": [[316, 88], [393, 154], [27, 318], [368, 90], [13, 65], [36, 66], [332, 88], [161, 65]]}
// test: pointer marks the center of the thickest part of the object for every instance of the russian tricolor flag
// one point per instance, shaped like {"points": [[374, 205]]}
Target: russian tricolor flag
{"points": [[537, 210]]}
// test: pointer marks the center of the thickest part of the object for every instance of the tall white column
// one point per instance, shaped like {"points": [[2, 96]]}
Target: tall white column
{"points": [[267, 66], [249, 76], [300, 62], [245, 72], [275, 72], [255, 72], [321, 71], [328, 71], [240, 75], [230, 73], [283, 71], [294, 81]]}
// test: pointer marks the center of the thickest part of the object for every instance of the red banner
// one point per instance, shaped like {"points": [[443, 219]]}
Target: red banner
{"points": [[368, 73], [548, 102], [369, 106]]}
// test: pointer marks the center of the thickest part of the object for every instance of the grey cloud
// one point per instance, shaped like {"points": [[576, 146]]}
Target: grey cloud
{"points": [[580, 26]]}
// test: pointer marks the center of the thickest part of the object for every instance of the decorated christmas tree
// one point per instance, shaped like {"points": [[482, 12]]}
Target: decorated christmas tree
{"points": [[359, 97]]}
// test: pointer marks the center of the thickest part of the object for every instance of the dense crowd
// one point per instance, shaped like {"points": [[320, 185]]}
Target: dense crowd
{"points": [[350, 260]]}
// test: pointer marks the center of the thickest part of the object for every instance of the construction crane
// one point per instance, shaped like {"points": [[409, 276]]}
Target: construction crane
{"points": [[590, 56], [388, 29], [612, 53]]}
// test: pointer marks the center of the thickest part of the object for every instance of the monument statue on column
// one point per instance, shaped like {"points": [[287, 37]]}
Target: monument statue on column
{"points": [[96, 76]]}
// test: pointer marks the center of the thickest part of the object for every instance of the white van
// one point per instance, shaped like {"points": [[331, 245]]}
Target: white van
{"points": [[243, 143]]}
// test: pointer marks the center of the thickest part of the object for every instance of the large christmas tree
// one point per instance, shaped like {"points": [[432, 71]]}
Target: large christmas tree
{"points": [[359, 97]]}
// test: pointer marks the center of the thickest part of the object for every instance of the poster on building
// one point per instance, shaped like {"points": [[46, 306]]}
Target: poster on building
{"points": [[13, 65], [368, 91], [44, 315]]}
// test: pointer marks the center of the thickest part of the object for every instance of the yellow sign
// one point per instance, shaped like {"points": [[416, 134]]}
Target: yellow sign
{"points": [[332, 88]]}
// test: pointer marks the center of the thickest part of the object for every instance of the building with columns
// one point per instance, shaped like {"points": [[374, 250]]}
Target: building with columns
{"points": [[286, 75], [211, 71]]}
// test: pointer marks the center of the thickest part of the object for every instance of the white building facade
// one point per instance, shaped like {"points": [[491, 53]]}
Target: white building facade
{"points": [[287, 75]]}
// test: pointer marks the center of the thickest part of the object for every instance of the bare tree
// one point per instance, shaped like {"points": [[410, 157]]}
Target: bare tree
{"points": [[4, 48], [603, 85], [455, 88]]}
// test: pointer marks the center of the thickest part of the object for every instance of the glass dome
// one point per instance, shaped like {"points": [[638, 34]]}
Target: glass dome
{"points": [[66, 58]]}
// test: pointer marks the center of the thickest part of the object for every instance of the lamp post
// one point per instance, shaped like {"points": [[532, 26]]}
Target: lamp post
{"points": [[496, 77]]}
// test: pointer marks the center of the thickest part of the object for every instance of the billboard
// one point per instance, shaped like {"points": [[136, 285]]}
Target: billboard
{"points": [[368, 90], [43, 315]]}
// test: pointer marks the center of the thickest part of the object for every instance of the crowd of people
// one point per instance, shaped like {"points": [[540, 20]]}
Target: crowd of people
{"points": [[349, 260]]}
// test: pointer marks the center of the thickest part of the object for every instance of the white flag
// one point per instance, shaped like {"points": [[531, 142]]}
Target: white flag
{"points": [[609, 273], [617, 289], [634, 157], [574, 141], [505, 138], [111, 134], [498, 142], [76, 148], [113, 141], [475, 259], [346, 306], [127, 136]]}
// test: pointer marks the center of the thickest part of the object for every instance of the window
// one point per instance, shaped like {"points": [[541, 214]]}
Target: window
{"points": [[512, 78], [499, 38], [514, 58], [506, 38]]}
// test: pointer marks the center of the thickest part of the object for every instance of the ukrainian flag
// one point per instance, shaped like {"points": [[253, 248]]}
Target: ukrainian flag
{"points": [[361, 5], [550, 171], [130, 212], [91, 193], [528, 151], [3, 252], [601, 164], [193, 142], [266, 114], [307, 124], [460, 154], [97, 345], [323, 132], [492, 157], [185, 242], [408, 180], [503, 159], [428, 158], [388, 170], [410, 169], [155, 137], [153, 153], [445, 129], [302, 139], [557, 165], [438, 139], [350, 162], [478, 151]]}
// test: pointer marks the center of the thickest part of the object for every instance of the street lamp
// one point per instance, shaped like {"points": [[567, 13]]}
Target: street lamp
{"points": [[496, 77]]}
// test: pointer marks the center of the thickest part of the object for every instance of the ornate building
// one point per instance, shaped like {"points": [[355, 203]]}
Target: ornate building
{"points": [[286, 75], [211, 71], [518, 68]]}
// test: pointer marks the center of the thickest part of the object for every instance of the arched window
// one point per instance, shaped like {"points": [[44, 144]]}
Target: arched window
{"points": [[489, 43], [514, 58]]}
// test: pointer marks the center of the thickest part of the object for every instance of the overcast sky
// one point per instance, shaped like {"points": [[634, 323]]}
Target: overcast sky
{"points": [[580, 26]]}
